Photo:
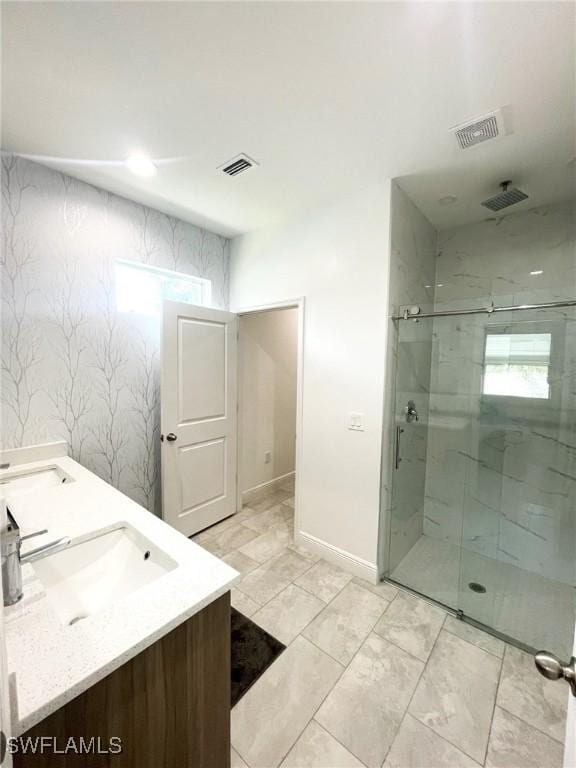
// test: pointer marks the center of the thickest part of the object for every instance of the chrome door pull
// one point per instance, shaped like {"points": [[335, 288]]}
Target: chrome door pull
{"points": [[551, 667], [171, 437], [397, 458]]}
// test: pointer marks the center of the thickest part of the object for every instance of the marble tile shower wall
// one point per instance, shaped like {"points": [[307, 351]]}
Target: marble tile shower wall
{"points": [[493, 259], [501, 472], [413, 248], [73, 367]]}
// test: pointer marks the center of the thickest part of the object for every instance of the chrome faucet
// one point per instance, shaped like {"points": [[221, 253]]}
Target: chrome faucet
{"points": [[12, 559]]}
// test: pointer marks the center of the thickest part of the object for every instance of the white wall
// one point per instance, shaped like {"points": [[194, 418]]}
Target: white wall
{"points": [[338, 259], [267, 380]]}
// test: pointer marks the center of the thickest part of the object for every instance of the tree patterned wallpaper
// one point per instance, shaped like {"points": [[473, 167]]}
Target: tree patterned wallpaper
{"points": [[73, 367]]}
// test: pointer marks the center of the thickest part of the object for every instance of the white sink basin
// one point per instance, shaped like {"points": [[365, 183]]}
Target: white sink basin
{"points": [[88, 577], [15, 484]]}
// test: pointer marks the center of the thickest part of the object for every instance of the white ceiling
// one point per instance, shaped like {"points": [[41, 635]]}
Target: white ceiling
{"points": [[327, 97]]}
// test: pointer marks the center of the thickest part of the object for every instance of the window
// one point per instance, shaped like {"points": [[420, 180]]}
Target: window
{"points": [[516, 364], [142, 289]]}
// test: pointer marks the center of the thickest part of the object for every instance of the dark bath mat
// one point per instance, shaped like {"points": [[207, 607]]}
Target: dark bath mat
{"points": [[253, 650]]}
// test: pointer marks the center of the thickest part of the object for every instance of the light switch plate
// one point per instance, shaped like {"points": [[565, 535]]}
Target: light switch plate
{"points": [[356, 422]]}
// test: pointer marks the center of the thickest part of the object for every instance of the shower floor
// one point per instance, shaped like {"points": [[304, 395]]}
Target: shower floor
{"points": [[524, 606]]}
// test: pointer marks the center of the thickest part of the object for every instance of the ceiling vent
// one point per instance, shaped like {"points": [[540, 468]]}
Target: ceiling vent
{"points": [[481, 129], [238, 165]]}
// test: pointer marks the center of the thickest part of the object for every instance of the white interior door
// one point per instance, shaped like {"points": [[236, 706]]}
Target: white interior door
{"points": [[198, 404]]}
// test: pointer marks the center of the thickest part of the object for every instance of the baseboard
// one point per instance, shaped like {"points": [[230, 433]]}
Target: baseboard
{"points": [[259, 491], [346, 561]]}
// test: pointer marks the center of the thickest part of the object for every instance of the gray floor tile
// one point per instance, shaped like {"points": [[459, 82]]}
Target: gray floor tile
{"points": [[286, 615], [525, 693], [268, 544], [412, 624], [366, 706], [514, 744], [263, 521], [270, 500], [345, 623], [240, 562], [324, 580], [232, 537], [361, 715], [223, 525], [243, 603], [383, 589], [416, 746], [456, 694], [236, 761], [270, 717], [202, 536], [475, 636], [211, 545], [276, 574], [305, 551], [316, 748]]}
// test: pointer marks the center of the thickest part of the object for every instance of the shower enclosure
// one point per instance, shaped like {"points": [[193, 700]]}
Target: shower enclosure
{"points": [[482, 515]]}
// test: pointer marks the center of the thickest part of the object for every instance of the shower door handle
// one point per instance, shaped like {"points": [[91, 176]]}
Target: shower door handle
{"points": [[411, 412], [551, 667], [397, 457]]}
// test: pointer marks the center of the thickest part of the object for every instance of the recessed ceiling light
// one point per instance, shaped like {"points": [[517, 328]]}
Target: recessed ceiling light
{"points": [[440, 285], [537, 272], [448, 200], [141, 165]]}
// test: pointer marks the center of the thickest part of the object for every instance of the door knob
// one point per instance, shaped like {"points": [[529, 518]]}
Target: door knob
{"points": [[551, 667], [411, 412], [171, 437]]}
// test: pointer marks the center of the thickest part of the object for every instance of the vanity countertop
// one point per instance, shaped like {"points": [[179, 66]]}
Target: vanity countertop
{"points": [[50, 663]]}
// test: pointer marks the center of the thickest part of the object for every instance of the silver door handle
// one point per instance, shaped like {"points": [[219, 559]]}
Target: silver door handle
{"points": [[397, 458], [411, 412], [551, 667], [32, 535], [171, 437]]}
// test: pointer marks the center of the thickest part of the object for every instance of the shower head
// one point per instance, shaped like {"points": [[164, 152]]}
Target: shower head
{"points": [[508, 196]]}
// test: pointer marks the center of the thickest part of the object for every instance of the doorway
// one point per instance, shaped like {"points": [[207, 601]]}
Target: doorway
{"points": [[210, 466], [268, 357]]}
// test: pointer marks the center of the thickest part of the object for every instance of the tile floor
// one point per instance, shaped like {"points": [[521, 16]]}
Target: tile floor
{"points": [[372, 676], [521, 604]]}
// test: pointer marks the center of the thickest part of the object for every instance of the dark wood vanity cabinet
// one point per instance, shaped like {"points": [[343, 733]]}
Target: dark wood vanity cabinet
{"points": [[170, 705]]}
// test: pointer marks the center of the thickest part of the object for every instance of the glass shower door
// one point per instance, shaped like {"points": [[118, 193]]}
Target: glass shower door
{"points": [[483, 515], [518, 561], [426, 513]]}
